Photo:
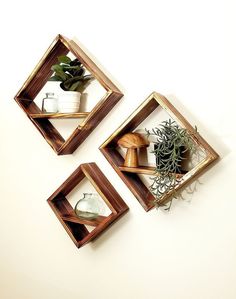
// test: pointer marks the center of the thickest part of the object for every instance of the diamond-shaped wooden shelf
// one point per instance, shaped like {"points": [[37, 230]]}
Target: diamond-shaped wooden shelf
{"points": [[75, 226], [130, 176], [39, 77]]}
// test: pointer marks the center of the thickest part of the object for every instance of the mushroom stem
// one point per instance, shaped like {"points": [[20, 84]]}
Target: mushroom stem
{"points": [[131, 158]]}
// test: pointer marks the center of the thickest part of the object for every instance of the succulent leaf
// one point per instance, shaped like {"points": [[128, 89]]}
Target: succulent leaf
{"points": [[64, 59], [61, 75], [75, 62], [55, 78], [57, 68], [75, 85]]}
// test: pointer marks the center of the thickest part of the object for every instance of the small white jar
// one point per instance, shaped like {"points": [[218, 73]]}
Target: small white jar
{"points": [[49, 104]]}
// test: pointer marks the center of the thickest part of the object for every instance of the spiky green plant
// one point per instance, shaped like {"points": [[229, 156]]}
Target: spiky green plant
{"points": [[71, 74], [170, 146]]}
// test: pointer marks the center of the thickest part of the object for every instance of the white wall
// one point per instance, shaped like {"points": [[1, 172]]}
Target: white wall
{"points": [[183, 49]]}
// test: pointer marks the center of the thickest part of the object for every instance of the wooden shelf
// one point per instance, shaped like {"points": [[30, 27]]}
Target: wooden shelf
{"points": [[131, 175], [76, 227], [73, 218], [59, 115], [143, 170], [39, 77]]}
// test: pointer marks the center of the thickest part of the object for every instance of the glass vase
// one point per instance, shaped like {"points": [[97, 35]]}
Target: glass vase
{"points": [[89, 207]]}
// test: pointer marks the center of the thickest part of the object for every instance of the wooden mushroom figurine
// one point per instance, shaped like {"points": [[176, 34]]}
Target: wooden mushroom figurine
{"points": [[132, 141]]}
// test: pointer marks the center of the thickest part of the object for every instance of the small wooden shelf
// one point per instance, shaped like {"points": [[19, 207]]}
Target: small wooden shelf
{"points": [[76, 227], [59, 115], [75, 219], [143, 170], [131, 175], [39, 77]]}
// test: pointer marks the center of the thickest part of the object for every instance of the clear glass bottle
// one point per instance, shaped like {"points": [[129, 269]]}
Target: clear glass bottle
{"points": [[89, 207], [49, 103]]}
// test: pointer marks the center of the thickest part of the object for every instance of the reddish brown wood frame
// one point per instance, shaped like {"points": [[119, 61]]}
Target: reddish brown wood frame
{"points": [[75, 226], [130, 175], [40, 75]]}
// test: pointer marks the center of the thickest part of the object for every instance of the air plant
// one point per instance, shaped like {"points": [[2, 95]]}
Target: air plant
{"points": [[170, 148], [71, 74]]}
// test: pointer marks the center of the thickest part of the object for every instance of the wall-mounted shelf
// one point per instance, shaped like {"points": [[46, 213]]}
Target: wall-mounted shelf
{"points": [[76, 227], [131, 175], [39, 77]]}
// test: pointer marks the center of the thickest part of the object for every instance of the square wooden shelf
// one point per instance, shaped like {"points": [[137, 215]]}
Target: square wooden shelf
{"points": [[39, 77], [130, 176], [76, 227]]}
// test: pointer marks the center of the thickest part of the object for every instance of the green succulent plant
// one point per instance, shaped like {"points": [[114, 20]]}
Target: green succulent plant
{"points": [[71, 74], [170, 147]]}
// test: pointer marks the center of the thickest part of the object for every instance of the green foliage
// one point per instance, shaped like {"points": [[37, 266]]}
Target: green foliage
{"points": [[172, 142], [71, 74]]}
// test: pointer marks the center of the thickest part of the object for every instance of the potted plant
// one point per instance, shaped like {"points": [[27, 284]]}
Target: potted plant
{"points": [[71, 74], [171, 145]]}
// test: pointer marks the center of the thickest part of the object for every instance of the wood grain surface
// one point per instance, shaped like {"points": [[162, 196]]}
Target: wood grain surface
{"points": [[39, 77], [75, 226], [130, 175]]}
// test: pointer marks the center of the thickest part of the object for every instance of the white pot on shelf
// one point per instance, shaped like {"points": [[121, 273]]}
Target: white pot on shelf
{"points": [[69, 102]]}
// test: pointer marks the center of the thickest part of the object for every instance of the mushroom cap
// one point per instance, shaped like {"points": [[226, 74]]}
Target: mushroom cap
{"points": [[133, 140]]}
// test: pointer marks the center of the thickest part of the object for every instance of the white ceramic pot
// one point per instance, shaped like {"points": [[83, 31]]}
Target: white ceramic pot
{"points": [[69, 102]]}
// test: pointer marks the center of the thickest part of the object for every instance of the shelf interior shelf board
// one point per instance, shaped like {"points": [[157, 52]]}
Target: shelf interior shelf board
{"points": [[93, 222], [150, 170], [59, 115]]}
